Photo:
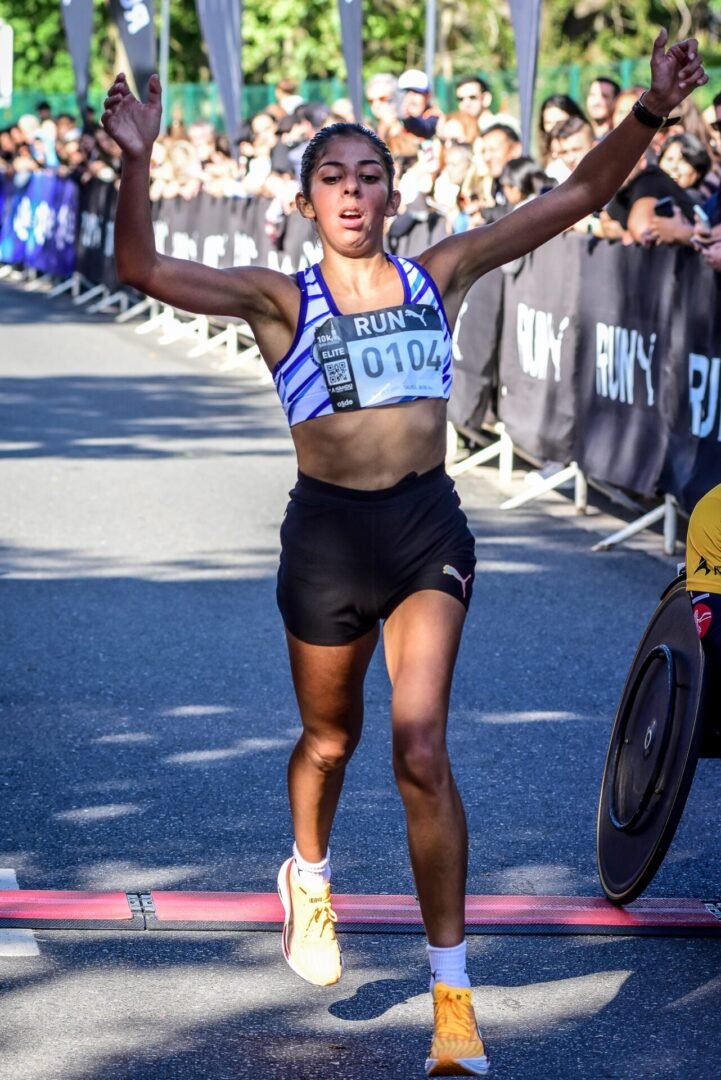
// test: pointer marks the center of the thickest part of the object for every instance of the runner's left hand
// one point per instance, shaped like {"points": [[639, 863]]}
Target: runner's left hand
{"points": [[675, 73]]}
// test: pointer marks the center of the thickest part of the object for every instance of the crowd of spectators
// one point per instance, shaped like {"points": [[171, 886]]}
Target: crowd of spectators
{"points": [[464, 167]]}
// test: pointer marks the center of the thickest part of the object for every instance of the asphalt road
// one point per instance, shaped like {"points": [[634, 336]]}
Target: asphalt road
{"points": [[147, 717]]}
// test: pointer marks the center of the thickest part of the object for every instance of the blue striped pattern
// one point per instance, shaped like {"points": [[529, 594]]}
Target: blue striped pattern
{"points": [[299, 380]]}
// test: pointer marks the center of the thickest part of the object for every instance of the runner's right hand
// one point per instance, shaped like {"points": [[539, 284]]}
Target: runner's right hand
{"points": [[134, 126]]}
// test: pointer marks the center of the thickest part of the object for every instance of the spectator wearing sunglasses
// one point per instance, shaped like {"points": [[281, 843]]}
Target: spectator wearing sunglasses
{"points": [[382, 96], [473, 97]]}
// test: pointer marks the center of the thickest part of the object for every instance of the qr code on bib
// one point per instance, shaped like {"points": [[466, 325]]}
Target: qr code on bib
{"points": [[337, 371]]}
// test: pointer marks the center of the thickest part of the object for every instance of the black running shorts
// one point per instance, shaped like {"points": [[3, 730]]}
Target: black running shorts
{"points": [[349, 557]]}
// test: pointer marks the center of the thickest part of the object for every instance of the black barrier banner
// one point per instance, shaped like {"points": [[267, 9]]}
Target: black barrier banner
{"points": [[220, 21], [78, 20], [231, 232], [691, 384], [625, 306], [476, 341], [301, 246], [537, 396], [420, 236], [95, 248], [351, 27], [134, 19]]}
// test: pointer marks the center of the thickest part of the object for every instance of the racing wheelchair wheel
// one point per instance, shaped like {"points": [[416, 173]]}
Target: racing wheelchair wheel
{"points": [[653, 749]]}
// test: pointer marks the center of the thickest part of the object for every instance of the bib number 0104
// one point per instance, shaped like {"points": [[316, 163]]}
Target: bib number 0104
{"points": [[374, 360]]}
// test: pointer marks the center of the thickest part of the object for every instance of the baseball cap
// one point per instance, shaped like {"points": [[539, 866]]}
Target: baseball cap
{"points": [[507, 119], [413, 79]]}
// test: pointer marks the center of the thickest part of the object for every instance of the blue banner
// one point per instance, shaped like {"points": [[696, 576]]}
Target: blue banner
{"points": [[40, 227], [6, 194]]}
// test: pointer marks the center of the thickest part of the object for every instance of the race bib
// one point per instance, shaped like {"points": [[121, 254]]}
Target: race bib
{"points": [[380, 356]]}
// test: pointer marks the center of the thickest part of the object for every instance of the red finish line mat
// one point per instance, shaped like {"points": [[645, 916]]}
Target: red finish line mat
{"points": [[38, 908], [356, 913]]}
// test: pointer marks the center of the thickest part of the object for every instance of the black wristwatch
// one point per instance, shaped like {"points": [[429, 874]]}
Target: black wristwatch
{"points": [[649, 119]]}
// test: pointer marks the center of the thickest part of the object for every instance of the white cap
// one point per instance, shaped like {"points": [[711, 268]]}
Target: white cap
{"points": [[507, 119], [413, 79], [291, 102]]}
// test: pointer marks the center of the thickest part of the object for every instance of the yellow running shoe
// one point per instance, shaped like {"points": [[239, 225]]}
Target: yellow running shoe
{"points": [[457, 1048], [309, 942]]}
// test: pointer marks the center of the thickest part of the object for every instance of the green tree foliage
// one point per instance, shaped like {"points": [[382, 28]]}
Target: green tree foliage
{"points": [[302, 40], [285, 38], [597, 30], [41, 59]]}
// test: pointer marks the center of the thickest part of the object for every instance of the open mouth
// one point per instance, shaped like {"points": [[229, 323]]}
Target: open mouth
{"points": [[351, 217]]}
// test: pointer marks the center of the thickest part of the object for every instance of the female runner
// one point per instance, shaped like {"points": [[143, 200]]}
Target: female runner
{"points": [[360, 351]]}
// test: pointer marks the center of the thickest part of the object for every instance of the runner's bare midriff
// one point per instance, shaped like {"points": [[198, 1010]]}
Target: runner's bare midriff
{"points": [[373, 448]]}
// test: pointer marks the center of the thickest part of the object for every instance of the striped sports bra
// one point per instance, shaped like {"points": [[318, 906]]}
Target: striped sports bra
{"points": [[341, 363]]}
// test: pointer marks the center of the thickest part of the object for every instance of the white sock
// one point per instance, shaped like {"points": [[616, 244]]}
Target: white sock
{"points": [[312, 875], [448, 965]]}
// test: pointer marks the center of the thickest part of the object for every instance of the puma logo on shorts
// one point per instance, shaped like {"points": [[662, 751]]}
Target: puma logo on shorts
{"points": [[463, 580]]}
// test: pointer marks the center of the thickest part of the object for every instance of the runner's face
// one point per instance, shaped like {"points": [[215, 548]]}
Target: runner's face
{"points": [[349, 191]]}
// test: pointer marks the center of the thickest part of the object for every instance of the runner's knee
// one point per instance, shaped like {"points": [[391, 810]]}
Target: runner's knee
{"points": [[329, 752], [420, 758]]}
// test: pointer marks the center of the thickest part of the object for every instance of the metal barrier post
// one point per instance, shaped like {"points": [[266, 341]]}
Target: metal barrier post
{"points": [[637, 526], [542, 487]]}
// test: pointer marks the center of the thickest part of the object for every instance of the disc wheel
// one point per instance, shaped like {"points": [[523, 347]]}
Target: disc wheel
{"points": [[653, 750]]}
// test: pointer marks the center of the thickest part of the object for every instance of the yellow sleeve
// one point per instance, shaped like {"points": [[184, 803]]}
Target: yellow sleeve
{"points": [[703, 544]]}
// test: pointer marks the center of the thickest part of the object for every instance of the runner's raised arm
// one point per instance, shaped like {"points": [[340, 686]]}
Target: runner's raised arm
{"points": [[456, 262], [256, 294]]}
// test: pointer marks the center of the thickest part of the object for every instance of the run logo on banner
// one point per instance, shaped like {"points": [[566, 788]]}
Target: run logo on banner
{"points": [[539, 343], [704, 377], [619, 351]]}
